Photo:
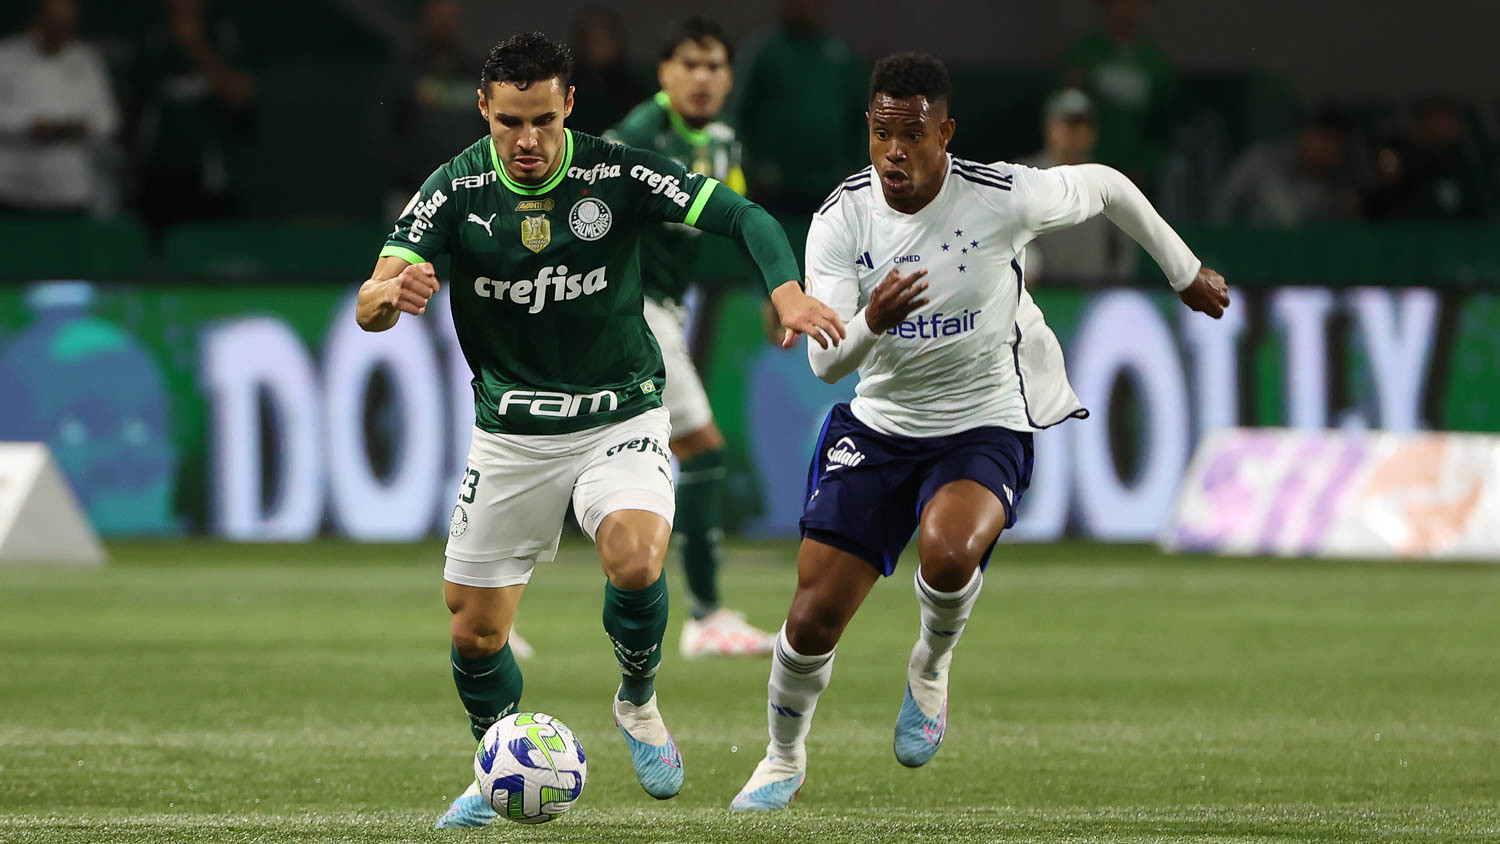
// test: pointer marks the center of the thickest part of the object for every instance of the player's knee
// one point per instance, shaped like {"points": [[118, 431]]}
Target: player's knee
{"points": [[813, 629], [474, 640], [948, 561], [632, 560]]}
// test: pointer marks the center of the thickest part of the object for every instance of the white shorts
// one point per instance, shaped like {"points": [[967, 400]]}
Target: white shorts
{"points": [[516, 489], [683, 396]]}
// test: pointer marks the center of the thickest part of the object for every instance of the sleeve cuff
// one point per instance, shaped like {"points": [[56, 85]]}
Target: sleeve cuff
{"points": [[391, 250], [1186, 278]]}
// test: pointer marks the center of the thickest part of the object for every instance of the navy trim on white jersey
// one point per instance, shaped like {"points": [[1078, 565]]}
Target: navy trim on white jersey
{"points": [[978, 169], [1015, 351], [858, 181], [980, 175]]}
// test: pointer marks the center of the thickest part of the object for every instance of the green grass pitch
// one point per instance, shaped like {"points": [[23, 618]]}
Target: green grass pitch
{"points": [[208, 692]]}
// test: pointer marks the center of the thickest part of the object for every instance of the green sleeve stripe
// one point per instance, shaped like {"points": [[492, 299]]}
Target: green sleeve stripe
{"points": [[410, 257], [699, 201]]}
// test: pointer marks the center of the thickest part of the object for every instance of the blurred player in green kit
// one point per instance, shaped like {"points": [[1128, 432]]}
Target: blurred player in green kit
{"points": [[681, 122]]}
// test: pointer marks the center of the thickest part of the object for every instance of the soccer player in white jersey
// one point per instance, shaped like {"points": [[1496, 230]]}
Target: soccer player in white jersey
{"points": [[920, 256]]}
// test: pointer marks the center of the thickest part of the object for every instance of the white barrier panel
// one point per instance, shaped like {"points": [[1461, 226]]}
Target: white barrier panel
{"points": [[1341, 494], [40, 520]]}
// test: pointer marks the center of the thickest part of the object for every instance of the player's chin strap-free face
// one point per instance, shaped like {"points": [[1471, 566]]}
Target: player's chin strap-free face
{"points": [[909, 143], [526, 125]]}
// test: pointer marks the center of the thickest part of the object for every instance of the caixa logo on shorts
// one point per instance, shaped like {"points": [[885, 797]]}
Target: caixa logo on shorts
{"points": [[842, 454], [551, 283]]}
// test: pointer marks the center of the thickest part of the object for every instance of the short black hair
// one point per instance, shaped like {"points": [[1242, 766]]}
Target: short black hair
{"points": [[696, 30], [525, 59], [911, 75]]}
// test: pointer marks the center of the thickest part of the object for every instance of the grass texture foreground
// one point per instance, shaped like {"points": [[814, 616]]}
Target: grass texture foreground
{"points": [[201, 691]]}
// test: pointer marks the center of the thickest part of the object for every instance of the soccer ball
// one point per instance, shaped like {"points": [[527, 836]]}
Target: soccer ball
{"points": [[530, 767]]}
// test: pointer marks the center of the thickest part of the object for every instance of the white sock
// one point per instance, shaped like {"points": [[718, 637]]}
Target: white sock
{"points": [[944, 615], [792, 695]]}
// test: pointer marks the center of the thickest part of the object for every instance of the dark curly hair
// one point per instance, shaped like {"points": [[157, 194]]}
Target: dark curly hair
{"points": [[698, 31], [525, 59], [911, 75]]}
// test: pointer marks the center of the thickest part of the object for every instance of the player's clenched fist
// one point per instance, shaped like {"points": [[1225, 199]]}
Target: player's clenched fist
{"points": [[409, 291], [1207, 294], [893, 300], [391, 292]]}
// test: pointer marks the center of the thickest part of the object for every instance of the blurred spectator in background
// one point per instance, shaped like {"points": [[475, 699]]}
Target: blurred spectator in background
{"points": [[56, 110], [1287, 182], [607, 87], [194, 105], [1134, 90], [1095, 251], [1439, 174], [431, 108], [801, 107]]}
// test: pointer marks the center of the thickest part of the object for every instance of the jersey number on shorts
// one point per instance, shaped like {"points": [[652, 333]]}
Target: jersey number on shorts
{"points": [[469, 485]]}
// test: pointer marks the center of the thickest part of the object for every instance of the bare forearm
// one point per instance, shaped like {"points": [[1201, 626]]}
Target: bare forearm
{"points": [[377, 307], [374, 310]]}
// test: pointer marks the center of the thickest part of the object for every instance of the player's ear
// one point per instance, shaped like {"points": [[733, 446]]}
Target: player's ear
{"points": [[568, 103], [661, 75], [484, 104], [945, 131]]}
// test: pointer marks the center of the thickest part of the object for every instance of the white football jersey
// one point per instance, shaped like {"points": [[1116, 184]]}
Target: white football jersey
{"points": [[979, 353]]}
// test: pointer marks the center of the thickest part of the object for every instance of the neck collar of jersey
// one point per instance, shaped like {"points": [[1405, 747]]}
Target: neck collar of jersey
{"points": [[696, 137], [552, 181]]}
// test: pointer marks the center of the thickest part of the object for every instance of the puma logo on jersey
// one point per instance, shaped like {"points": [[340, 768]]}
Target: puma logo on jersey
{"points": [[474, 218]]}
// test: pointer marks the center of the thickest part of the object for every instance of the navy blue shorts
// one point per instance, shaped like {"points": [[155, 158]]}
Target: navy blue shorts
{"points": [[866, 490]]}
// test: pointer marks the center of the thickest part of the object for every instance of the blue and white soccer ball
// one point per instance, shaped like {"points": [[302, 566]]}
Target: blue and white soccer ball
{"points": [[530, 767]]}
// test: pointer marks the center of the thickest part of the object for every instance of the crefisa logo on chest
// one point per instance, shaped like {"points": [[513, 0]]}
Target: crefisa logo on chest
{"points": [[590, 218]]}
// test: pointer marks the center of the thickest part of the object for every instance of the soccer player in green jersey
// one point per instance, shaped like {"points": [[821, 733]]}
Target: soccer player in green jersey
{"points": [[681, 122], [541, 225]]}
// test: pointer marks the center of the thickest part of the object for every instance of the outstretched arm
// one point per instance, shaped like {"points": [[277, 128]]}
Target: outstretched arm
{"points": [[1199, 287], [1109, 191], [1068, 195], [671, 194], [763, 237]]}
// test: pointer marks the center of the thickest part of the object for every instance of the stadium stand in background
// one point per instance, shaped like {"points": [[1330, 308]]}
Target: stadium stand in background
{"points": [[299, 193]]}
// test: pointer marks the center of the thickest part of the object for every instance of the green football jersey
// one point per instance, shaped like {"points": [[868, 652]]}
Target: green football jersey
{"points": [[668, 253], [545, 281]]}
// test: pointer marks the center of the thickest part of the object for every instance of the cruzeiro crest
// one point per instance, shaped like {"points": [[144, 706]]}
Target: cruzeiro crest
{"points": [[590, 218], [536, 232]]}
